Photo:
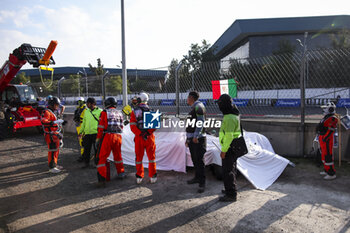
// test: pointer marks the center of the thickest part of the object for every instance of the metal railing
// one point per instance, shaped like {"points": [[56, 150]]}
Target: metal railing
{"points": [[268, 86]]}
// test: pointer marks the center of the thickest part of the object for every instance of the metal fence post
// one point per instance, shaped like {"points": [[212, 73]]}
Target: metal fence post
{"points": [[59, 87], [177, 88], [86, 83], [104, 86], [302, 96]]}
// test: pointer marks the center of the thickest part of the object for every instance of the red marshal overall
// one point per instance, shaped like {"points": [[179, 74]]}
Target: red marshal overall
{"points": [[110, 127], [326, 129], [52, 136], [144, 140]]}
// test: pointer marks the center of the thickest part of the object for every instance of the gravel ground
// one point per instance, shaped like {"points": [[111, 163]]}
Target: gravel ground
{"points": [[33, 200]]}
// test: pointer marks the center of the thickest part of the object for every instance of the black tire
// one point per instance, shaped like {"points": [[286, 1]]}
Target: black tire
{"points": [[3, 129], [9, 123]]}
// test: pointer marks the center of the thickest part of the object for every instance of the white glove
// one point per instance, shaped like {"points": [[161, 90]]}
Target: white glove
{"points": [[58, 121]]}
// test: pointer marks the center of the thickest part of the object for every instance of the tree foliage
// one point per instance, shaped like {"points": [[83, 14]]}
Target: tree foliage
{"points": [[98, 70], [341, 39], [139, 85], [21, 78], [191, 75]]}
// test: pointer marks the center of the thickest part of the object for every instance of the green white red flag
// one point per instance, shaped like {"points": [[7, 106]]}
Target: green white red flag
{"points": [[226, 86]]}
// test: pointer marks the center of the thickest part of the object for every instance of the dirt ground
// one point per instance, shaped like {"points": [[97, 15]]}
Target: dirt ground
{"points": [[33, 200]]}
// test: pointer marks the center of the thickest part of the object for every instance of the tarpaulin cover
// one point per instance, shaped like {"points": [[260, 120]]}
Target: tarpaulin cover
{"points": [[261, 166]]}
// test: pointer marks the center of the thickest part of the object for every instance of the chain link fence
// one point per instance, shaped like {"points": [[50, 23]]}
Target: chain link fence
{"points": [[264, 87]]}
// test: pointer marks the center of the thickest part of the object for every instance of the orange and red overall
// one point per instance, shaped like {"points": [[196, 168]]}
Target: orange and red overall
{"points": [[326, 129], [144, 140], [110, 127], [52, 136]]}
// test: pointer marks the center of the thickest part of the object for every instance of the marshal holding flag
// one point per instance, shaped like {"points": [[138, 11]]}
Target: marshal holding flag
{"points": [[226, 86]]}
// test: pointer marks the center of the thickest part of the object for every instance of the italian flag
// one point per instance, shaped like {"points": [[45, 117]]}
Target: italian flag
{"points": [[227, 86]]}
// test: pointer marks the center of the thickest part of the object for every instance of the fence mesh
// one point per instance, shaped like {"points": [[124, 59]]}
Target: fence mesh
{"points": [[266, 86]]}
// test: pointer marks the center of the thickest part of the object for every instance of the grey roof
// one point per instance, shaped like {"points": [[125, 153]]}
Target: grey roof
{"points": [[74, 70], [243, 28]]}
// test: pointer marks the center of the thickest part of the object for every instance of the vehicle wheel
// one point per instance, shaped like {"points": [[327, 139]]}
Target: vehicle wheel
{"points": [[9, 123], [3, 129]]}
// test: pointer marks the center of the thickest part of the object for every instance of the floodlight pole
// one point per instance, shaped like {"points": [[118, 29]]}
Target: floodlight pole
{"points": [[124, 73]]}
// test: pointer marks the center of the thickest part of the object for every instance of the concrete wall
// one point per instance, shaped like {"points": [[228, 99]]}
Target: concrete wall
{"points": [[284, 135]]}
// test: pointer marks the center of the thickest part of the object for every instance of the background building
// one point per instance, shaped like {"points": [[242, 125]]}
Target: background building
{"points": [[253, 38]]}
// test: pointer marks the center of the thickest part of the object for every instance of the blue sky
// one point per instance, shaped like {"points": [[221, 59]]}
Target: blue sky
{"points": [[156, 30]]}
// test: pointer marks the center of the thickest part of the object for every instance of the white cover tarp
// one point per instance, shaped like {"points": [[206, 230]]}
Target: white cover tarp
{"points": [[261, 166]]}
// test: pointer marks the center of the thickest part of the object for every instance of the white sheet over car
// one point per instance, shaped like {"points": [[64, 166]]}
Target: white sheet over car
{"points": [[261, 166]]}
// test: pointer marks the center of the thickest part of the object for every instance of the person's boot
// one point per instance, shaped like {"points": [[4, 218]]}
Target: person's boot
{"points": [[153, 179], [138, 179], [201, 188], [193, 181], [328, 177], [54, 170], [101, 184], [121, 176], [227, 198]]}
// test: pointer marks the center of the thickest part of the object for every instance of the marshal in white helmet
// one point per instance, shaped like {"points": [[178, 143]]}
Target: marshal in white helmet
{"points": [[143, 96], [80, 100], [329, 108]]}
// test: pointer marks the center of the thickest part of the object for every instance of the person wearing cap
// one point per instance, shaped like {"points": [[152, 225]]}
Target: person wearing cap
{"points": [[144, 140], [230, 130], [88, 129], [109, 138], [78, 119], [196, 139], [325, 129], [53, 137]]}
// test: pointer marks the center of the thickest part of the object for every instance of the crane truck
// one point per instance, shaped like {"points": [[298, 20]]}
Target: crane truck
{"points": [[18, 103]]}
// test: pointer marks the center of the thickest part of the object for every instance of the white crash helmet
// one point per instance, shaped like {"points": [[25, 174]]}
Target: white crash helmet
{"points": [[80, 99], [143, 97], [329, 108]]}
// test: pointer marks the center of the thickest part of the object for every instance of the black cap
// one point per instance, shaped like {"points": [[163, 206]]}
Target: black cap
{"points": [[194, 94], [91, 100]]}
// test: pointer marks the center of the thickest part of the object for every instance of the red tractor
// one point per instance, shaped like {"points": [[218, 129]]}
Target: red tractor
{"points": [[18, 103]]}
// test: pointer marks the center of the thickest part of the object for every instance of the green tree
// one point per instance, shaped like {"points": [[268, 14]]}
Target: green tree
{"points": [[114, 85], [98, 70], [284, 46], [341, 39], [139, 85], [95, 83], [170, 81], [20, 78], [194, 68]]}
